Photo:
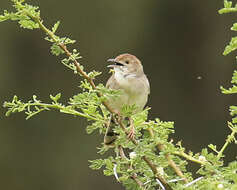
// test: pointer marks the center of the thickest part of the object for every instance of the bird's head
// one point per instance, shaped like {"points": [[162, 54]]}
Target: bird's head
{"points": [[127, 64]]}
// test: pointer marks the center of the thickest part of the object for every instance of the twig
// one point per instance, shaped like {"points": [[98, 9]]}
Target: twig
{"points": [[172, 164], [75, 62], [156, 173], [63, 109], [141, 185], [149, 163], [190, 158], [170, 161], [227, 10], [134, 176], [230, 138]]}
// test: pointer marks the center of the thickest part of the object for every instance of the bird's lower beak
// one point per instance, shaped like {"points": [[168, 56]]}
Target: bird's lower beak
{"points": [[116, 63]]}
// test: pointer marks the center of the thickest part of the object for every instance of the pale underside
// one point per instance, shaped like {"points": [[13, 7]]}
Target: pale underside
{"points": [[134, 90]]}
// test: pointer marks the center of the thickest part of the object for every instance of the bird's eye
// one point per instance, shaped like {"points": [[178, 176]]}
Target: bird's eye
{"points": [[127, 62]]}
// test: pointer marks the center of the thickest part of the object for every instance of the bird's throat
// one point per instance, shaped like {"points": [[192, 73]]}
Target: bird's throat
{"points": [[125, 80]]}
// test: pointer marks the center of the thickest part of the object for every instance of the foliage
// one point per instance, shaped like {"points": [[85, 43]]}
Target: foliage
{"points": [[152, 160], [232, 46]]}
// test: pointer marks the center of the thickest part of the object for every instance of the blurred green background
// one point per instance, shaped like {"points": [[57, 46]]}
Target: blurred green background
{"points": [[180, 44]]}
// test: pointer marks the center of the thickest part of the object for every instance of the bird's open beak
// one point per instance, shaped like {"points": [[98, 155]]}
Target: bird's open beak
{"points": [[116, 63]]}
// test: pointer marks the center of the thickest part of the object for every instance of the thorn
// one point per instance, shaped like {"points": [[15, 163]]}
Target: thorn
{"points": [[160, 184], [147, 182], [115, 172], [174, 180], [192, 182]]}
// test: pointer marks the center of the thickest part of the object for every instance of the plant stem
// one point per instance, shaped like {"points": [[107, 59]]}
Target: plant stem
{"points": [[227, 142], [77, 65], [134, 176], [64, 110], [190, 158], [156, 173], [170, 161], [227, 10]]}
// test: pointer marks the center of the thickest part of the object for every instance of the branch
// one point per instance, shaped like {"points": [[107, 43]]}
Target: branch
{"points": [[190, 158], [149, 163], [69, 54], [227, 10], [134, 176], [156, 173], [229, 139], [34, 107], [170, 161]]}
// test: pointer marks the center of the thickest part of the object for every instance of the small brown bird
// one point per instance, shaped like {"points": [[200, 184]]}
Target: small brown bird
{"points": [[129, 78]]}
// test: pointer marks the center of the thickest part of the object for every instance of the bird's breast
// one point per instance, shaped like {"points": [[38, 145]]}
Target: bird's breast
{"points": [[129, 83], [134, 91]]}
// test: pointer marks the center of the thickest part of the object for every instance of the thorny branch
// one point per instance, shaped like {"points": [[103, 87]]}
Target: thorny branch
{"points": [[134, 176], [90, 80], [170, 161]]}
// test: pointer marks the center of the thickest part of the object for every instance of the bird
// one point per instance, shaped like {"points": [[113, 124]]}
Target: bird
{"points": [[129, 78]]}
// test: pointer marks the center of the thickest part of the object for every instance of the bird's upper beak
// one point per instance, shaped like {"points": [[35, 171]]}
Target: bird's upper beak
{"points": [[116, 63]]}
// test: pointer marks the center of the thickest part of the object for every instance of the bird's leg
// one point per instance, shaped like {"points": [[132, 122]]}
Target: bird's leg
{"points": [[116, 117], [108, 123], [131, 133], [110, 135]]}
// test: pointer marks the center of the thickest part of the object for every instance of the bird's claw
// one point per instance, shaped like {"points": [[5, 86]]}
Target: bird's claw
{"points": [[131, 134]]}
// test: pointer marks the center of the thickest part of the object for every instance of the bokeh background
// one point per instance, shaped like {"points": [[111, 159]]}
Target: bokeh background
{"points": [[180, 44]]}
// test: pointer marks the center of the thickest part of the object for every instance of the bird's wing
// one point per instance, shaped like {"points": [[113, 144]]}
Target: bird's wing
{"points": [[146, 84], [112, 83]]}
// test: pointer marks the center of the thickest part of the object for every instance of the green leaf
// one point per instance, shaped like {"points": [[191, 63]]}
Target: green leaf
{"points": [[55, 27], [96, 125], [231, 47], [56, 50], [128, 110], [94, 74], [227, 4], [231, 90], [3, 18], [96, 164], [55, 98], [234, 27], [234, 78], [234, 120], [108, 171], [213, 147], [69, 41]]}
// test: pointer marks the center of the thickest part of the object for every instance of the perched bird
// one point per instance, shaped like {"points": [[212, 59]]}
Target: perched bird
{"points": [[129, 78]]}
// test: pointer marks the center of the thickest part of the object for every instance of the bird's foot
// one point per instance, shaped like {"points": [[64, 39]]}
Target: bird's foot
{"points": [[131, 133]]}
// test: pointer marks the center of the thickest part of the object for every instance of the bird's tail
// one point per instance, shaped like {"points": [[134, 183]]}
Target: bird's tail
{"points": [[110, 135]]}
